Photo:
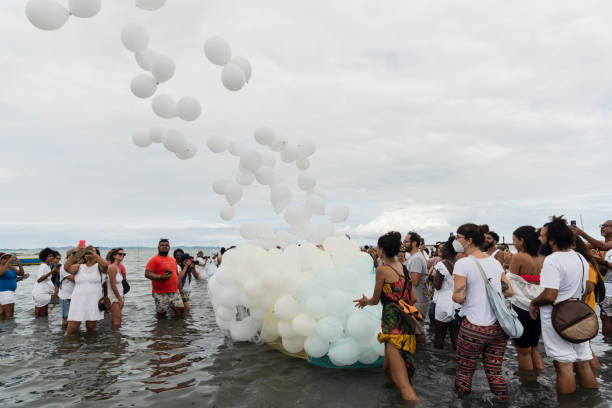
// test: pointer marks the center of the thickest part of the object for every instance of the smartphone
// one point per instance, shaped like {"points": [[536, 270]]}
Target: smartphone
{"points": [[573, 223]]}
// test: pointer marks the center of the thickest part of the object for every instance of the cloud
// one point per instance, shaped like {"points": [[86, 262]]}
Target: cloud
{"points": [[426, 115]]}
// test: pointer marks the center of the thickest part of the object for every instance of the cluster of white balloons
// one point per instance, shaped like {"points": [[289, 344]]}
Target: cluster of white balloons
{"points": [[136, 39], [50, 15], [236, 71], [301, 296], [173, 140], [259, 165]]}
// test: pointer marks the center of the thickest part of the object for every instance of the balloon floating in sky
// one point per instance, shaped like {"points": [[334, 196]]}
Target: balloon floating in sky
{"points": [[233, 77], [164, 106], [141, 138], [134, 37], [143, 86], [162, 68], [217, 50], [146, 58], [188, 108], [236, 72], [218, 143], [46, 14], [84, 8], [150, 5]]}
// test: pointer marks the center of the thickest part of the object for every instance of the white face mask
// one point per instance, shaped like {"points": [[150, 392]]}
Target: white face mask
{"points": [[457, 246]]}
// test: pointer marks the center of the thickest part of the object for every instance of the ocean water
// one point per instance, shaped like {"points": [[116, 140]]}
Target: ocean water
{"points": [[172, 362]]}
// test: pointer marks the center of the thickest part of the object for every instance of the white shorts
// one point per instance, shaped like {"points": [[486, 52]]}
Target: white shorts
{"points": [[41, 299], [561, 350], [7, 297]]}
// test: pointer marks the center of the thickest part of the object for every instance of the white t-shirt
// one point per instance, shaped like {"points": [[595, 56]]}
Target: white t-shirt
{"points": [[66, 286], [608, 281], [200, 269], [46, 286], [476, 306], [211, 268], [566, 272]]}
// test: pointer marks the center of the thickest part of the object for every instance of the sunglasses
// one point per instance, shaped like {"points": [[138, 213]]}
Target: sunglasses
{"points": [[121, 254]]}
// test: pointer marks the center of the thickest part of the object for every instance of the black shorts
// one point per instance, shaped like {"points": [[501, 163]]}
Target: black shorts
{"points": [[532, 329]]}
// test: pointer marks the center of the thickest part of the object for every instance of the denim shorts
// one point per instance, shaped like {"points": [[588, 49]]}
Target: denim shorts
{"points": [[65, 304]]}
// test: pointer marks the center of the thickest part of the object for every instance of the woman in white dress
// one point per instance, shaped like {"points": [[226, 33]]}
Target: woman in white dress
{"points": [[114, 286], [88, 280], [44, 288]]}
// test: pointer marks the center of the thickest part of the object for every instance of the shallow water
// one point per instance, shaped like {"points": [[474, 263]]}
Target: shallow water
{"points": [[189, 363]]}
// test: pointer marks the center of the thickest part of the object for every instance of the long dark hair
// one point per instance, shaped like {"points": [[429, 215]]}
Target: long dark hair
{"points": [[110, 257], [530, 239], [390, 243]]}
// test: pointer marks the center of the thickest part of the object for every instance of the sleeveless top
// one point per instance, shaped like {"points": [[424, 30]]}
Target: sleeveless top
{"points": [[392, 292], [8, 281]]}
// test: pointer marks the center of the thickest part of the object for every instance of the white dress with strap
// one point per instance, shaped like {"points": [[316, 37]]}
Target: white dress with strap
{"points": [[111, 294], [87, 292]]}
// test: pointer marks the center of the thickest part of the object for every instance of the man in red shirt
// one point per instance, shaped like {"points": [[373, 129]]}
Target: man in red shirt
{"points": [[161, 270]]}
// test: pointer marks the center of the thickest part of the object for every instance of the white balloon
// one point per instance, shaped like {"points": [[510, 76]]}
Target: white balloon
{"points": [[339, 213], [315, 204], [174, 141], [306, 147], [250, 160], [218, 143], [302, 163], [278, 144], [306, 181], [233, 194], [143, 86], [359, 325], [156, 133], [188, 153], [220, 186], [295, 215], [344, 352], [315, 346], [325, 230], [267, 159], [232, 77], [150, 4], [162, 68], [146, 58], [46, 14], [264, 175], [84, 8], [244, 179], [134, 37], [227, 213], [164, 106], [244, 65], [264, 135], [141, 138], [304, 325], [217, 50], [286, 307], [188, 108], [236, 148], [280, 197], [248, 231], [265, 231], [293, 345], [329, 328], [289, 153], [316, 305]]}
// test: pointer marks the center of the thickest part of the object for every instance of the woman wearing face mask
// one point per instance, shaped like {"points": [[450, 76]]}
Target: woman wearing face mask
{"points": [[480, 333], [88, 280], [525, 277]]}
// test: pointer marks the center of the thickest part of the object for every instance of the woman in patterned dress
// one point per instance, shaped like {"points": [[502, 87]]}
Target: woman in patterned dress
{"points": [[392, 286]]}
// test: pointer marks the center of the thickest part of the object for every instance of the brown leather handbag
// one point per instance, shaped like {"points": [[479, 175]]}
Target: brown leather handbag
{"points": [[574, 320]]}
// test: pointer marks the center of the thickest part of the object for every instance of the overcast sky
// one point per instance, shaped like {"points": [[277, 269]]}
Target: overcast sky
{"points": [[425, 115]]}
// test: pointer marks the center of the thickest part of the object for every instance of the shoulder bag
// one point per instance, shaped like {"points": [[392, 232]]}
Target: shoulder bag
{"points": [[407, 313], [573, 319], [506, 316], [104, 302], [126, 286]]}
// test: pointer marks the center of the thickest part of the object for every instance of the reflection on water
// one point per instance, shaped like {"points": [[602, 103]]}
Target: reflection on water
{"points": [[187, 362]]}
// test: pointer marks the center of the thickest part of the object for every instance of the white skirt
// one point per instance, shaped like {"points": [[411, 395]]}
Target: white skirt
{"points": [[7, 297], [41, 299]]}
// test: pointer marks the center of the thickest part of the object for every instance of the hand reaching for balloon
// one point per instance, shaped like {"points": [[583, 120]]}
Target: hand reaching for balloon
{"points": [[361, 303]]}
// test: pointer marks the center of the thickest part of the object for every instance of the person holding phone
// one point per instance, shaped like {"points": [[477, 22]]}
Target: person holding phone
{"points": [[161, 270], [8, 283]]}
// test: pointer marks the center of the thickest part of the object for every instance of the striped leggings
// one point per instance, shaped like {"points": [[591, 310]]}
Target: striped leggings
{"points": [[474, 341]]}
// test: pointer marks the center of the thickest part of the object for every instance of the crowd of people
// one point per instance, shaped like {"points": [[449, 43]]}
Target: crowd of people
{"points": [[446, 286], [425, 292], [86, 286]]}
